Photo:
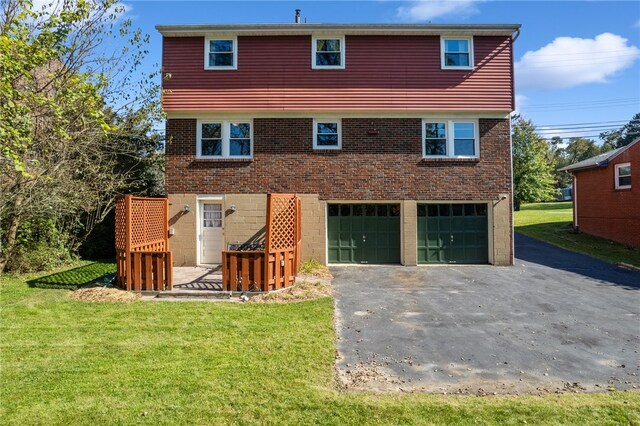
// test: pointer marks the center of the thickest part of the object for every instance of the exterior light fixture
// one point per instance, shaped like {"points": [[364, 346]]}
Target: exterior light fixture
{"points": [[187, 208], [233, 208]]}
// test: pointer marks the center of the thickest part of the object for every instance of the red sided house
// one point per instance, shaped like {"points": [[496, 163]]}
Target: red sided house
{"points": [[606, 194], [395, 137]]}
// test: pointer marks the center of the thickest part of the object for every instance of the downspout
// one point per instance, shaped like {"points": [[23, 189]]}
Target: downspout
{"points": [[513, 102], [574, 194]]}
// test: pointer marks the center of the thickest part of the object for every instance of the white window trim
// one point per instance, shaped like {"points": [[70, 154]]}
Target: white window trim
{"points": [[225, 139], [343, 48], [442, 46], [235, 53], [315, 133], [617, 173], [450, 137]]}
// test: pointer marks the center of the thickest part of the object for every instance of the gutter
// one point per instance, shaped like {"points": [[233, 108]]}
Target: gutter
{"points": [[353, 29]]}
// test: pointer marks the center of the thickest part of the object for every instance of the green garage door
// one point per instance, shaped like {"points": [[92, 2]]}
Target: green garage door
{"points": [[452, 233], [363, 233]]}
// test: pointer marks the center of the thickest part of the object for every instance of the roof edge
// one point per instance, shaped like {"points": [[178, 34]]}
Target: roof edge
{"points": [[604, 163], [284, 29]]}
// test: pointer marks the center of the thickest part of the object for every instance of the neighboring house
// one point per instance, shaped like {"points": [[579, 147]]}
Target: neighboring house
{"points": [[396, 138], [606, 194]]}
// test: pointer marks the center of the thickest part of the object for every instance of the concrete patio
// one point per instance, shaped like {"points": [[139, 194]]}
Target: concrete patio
{"points": [[197, 278]]}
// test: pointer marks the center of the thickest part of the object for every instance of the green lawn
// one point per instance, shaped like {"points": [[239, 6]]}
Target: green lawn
{"points": [[69, 362], [551, 222]]}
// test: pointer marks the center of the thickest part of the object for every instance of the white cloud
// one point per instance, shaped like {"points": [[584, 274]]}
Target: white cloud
{"points": [[572, 61], [425, 10], [521, 102]]}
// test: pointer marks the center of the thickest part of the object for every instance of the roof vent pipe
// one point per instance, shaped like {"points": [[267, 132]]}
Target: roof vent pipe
{"points": [[297, 16]]}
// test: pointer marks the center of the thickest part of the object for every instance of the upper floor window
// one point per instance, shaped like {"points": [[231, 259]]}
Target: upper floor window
{"points": [[456, 52], [220, 54], [327, 134], [450, 139], [224, 139], [327, 52], [623, 176]]}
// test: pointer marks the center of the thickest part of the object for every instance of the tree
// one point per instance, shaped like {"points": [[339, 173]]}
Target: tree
{"points": [[72, 116], [623, 136], [576, 150], [532, 170]]}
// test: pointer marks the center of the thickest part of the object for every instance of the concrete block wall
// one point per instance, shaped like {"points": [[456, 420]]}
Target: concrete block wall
{"points": [[247, 223], [314, 233], [183, 242]]}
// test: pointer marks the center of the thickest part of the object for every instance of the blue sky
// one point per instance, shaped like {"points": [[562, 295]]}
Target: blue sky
{"points": [[576, 61]]}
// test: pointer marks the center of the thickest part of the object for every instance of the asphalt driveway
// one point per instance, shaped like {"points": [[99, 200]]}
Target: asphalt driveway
{"points": [[557, 321]]}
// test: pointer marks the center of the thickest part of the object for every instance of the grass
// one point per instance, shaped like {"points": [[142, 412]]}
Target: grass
{"points": [[551, 222], [314, 268], [70, 362]]}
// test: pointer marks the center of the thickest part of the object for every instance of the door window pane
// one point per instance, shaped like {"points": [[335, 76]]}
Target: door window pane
{"points": [[212, 215]]}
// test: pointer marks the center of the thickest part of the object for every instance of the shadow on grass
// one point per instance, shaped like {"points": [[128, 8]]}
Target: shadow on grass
{"points": [[537, 251], [74, 278], [562, 205]]}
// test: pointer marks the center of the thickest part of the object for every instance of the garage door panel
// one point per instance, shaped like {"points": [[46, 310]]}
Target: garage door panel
{"points": [[452, 233], [370, 232]]}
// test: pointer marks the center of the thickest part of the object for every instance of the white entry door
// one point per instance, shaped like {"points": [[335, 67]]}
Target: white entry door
{"points": [[211, 233]]}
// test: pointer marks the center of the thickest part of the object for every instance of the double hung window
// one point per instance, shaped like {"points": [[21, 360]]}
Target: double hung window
{"points": [[327, 134], [220, 54], [623, 176], [224, 139], [327, 52], [450, 139], [456, 53]]}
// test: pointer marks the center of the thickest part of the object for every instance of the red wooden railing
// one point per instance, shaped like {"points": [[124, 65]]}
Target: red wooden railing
{"points": [[276, 266], [143, 259]]}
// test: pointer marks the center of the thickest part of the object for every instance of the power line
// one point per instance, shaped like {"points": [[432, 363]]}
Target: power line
{"points": [[587, 123], [579, 108], [599, 101], [584, 136], [579, 128]]}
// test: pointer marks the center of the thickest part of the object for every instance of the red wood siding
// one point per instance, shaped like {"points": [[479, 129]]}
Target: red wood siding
{"points": [[382, 73], [604, 211]]}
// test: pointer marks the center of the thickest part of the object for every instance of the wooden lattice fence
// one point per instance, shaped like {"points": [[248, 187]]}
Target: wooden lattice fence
{"points": [[144, 262], [276, 266]]}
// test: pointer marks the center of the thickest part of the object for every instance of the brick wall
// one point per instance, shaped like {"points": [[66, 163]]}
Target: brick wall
{"points": [[604, 211], [380, 159]]}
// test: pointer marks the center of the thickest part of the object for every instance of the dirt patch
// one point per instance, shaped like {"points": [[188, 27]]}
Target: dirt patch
{"points": [[370, 376], [305, 290], [104, 294]]}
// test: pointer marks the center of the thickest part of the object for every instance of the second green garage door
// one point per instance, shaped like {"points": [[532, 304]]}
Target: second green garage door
{"points": [[363, 233], [452, 233]]}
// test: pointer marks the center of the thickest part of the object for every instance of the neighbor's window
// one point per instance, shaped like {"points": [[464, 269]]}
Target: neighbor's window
{"points": [[327, 134], [220, 54], [623, 176], [327, 53], [457, 53], [224, 139], [450, 139]]}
